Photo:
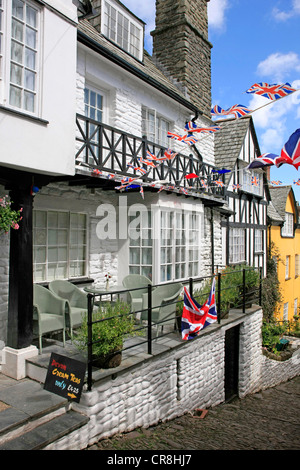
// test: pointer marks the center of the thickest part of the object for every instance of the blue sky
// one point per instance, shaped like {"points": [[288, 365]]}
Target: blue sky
{"points": [[253, 41]]}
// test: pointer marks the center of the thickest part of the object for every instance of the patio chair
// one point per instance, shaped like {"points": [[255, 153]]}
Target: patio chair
{"points": [[134, 281], [76, 302], [164, 300], [48, 313]]}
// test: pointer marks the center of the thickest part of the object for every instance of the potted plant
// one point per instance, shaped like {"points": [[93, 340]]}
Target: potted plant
{"points": [[113, 323], [9, 218]]}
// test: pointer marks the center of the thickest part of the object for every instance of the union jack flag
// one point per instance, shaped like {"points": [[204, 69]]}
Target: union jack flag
{"points": [[276, 183], [178, 137], [190, 140], [195, 317], [290, 153], [147, 162], [168, 155], [150, 156], [192, 127], [273, 91], [219, 183], [203, 184], [96, 172], [238, 110], [254, 180], [236, 186], [137, 168], [266, 159], [297, 182]]}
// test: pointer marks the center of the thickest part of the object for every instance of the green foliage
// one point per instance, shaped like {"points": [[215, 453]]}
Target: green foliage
{"points": [[271, 333], [113, 323], [271, 294], [231, 287], [9, 218]]}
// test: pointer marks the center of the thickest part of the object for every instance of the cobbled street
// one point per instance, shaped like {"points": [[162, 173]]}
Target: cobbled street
{"points": [[268, 420]]}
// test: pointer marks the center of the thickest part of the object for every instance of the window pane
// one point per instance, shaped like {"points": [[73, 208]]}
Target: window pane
{"points": [[31, 16], [29, 80], [18, 8], [29, 101], [17, 30], [16, 74], [16, 52], [15, 97], [30, 38]]}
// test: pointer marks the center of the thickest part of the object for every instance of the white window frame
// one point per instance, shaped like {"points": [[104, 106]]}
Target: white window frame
{"points": [[295, 306], [288, 226], [247, 185], [286, 311], [65, 233], [178, 247], [287, 267], [25, 61], [258, 240], [89, 106], [155, 127], [140, 233], [122, 28], [297, 265], [237, 245]]}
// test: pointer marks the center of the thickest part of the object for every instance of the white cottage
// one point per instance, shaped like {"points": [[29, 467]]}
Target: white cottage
{"points": [[81, 132]]}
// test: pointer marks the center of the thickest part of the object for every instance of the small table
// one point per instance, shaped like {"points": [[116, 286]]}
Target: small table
{"points": [[118, 289]]}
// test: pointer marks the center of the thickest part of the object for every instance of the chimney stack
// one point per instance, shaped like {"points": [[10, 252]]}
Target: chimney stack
{"points": [[181, 46]]}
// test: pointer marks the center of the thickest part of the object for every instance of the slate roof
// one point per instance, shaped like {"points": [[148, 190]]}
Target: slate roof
{"points": [[279, 195], [148, 70], [229, 141]]}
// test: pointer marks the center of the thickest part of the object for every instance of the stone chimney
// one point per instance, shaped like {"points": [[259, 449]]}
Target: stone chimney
{"points": [[181, 46], [96, 19]]}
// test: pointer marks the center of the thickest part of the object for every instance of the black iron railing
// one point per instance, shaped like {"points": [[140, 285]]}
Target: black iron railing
{"points": [[235, 288], [108, 149]]}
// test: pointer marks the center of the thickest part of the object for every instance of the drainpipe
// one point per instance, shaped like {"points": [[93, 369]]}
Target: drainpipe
{"points": [[212, 241]]}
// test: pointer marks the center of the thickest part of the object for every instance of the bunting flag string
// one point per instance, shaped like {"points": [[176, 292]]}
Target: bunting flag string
{"points": [[290, 153]]}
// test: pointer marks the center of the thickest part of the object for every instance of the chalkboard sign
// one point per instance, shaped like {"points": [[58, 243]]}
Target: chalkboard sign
{"points": [[65, 377]]}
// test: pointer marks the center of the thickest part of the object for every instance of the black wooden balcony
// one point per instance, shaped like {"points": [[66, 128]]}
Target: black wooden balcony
{"points": [[107, 151]]}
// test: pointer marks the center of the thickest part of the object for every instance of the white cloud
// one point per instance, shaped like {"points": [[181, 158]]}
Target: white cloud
{"points": [[286, 15], [216, 13], [274, 118], [278, 65]]}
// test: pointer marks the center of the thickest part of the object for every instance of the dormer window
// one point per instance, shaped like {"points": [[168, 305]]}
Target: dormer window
{"points": [[121, 27]]}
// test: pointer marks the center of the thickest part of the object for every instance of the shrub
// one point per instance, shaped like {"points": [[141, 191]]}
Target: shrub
{"points": [[113, 324]]}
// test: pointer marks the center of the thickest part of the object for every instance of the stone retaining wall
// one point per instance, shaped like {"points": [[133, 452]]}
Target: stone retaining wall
{"points": [[178, 381]]}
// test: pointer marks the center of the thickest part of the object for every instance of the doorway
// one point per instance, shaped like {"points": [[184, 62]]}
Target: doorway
{"points": [[232, 337]]}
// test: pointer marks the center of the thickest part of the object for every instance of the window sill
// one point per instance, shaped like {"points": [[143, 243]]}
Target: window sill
{"points": [[23, 115]]}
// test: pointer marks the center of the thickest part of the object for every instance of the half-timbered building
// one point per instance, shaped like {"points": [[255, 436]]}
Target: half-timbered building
{"points": [[245, 230]]}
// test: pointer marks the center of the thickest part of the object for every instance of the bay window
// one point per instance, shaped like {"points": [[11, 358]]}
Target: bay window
{"points": [[19, 55], [165, 246]]}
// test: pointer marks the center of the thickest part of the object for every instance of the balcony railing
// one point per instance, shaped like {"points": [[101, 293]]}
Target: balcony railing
{"points": [[111, 150]]}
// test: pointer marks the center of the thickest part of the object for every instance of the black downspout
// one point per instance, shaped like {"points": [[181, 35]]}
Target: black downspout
{"points": [[212, 242]]}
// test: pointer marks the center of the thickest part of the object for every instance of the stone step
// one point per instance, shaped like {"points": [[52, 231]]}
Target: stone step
{"points": [[44, 434]]}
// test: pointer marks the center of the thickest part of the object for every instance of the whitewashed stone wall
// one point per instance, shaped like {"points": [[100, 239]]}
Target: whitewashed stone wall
{"points": [[126, 96], [177, 382]]}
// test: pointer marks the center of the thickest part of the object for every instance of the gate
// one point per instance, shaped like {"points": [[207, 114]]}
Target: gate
{"points": [[232, 336]]}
